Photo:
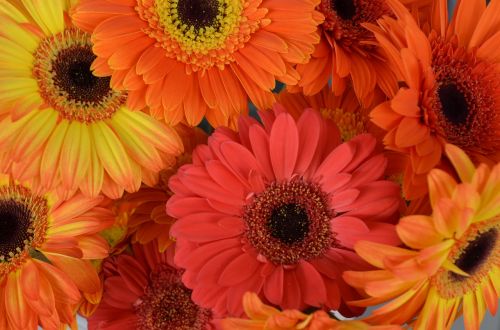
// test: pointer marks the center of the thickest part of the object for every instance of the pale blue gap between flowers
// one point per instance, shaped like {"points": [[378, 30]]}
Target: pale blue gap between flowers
{"points": [[489, 323]]}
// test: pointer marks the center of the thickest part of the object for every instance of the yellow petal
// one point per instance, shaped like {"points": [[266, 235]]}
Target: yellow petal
{"points": [[463, 165], [75, 155], [112, 154]]}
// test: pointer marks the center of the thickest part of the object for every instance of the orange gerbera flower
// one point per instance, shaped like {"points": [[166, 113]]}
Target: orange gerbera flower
{"points": [[348, 53], [265, 317], [45, 247], [450, 90], [453, 266], [145, 209], [187, 59], [60, 123]]}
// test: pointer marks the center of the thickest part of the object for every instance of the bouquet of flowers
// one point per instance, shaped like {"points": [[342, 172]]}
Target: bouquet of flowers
{"points": [[249, 164]]}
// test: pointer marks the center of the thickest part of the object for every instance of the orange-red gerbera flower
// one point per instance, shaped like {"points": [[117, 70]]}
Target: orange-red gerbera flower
{"points": [[145, 209], [276, 209], [264, 317], [187, 59], [143, 291], [450, 78], [453, 266], [45, 247], [348, 53], [58, 122]]}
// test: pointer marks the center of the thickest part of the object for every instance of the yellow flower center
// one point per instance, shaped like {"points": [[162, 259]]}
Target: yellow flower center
{"points": [[350, 124], [66, 82], [199, 25], [23, 224], [475, 253]]}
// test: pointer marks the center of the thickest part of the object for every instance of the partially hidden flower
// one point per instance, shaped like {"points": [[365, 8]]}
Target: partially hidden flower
{"points": [[46, 248], [61, 125], [449, 86], [276, 209], [452, 264], [143, 291], [264, 317], [348, 53], [144, 210]]}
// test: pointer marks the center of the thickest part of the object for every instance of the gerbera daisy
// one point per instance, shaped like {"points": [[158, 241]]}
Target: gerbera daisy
{"points": [[453, 266], [187, 59], [266, 317], [145, 209], [144, 291], [45, 247], [450, 82], [348, 52], [344, 110], [60, 122], [276, 210]]}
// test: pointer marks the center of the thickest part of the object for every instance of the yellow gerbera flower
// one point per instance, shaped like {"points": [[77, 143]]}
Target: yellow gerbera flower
{"points": [[453, 266], [61, 123]]}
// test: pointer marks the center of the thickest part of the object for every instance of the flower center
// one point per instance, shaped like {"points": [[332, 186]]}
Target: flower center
{"points": [[167, 304], [346, 9], [344, 18], [453, 103], [350, 124], [476, 253], [23, 223], [465, 102], [198, 13], [289, 221], [199, 33], [66, 82]]}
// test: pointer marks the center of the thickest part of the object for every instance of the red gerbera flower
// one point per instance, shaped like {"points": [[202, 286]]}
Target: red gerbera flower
{"points": [[144, 291], [276, 210]]}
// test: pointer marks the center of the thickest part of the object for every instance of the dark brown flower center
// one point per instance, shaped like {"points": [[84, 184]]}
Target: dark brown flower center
{"points": [[198, 13], [475, 253], [167, 304], [73, 75], [289, 221], [346, 9], [62, 68], [23, 224], [15, 228]]}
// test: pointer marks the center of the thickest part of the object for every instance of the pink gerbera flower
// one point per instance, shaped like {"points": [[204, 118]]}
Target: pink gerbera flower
{"points": [[276, 209]]}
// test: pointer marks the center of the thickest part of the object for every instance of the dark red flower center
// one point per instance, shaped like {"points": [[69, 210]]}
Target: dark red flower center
{"points": [[475, 253], [198, 13], [289, 221], [344, 19], [453, 103], [346, 9], [167, 304]]}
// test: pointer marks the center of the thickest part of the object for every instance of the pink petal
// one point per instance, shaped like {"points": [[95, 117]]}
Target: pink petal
{"points": [[284, 146]]}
